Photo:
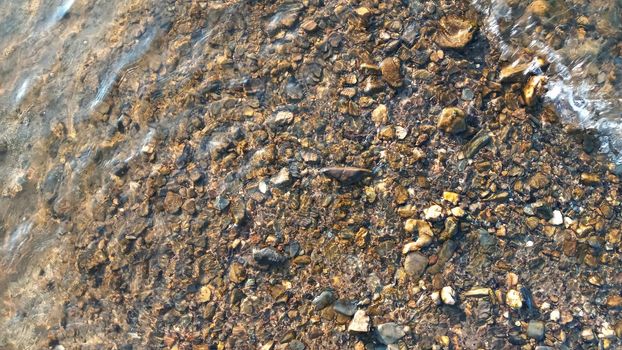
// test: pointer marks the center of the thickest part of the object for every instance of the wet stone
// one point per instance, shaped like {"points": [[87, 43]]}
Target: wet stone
{"points": [[268, 256], [360, 322], [221, 203], [282, 178], [479, 141], [451, 120], [454, 32], [346, 175], [172, 202], [323, 300], [390, 333], [390, 68], [415, 264], [280, 119], [345, 307], [535, 330]]}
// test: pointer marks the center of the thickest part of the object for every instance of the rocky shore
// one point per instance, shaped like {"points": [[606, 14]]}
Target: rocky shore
{"points": [[334, 175]]}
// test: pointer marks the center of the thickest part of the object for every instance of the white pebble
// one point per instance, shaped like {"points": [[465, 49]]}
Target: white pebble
{"points": [[557, 218], [448, 295], [555, 315], [433, 213], [436, 296]]}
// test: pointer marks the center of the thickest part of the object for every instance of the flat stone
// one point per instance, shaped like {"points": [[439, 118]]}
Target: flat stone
{"points": [[360, 322], [345, 307], [221, 203], [535, 330], [325, 298], [448, 295], [452, 120], [415, 264], [390, 333], [280, 119], [268, 256], [282, 178], [346, 175], [390, 68], [172, 202]]}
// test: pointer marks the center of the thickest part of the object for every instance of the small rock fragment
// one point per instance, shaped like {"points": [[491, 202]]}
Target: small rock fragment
{"points": [[555, 315], [325, 298], [390, 68], [415, 264], [481, 139], [588, 335], [448, 296], [454, 32], [359, 323], [268, 256], [280, 119], [433, 213], [535, 330], [221, 203], [557, 218], [282, 178], [345, 307], [513, 299], [380, 115], [478, 292], [451, 197], [533, 88], [346, 175], [172, 202], [390, 333], [452, 120]]}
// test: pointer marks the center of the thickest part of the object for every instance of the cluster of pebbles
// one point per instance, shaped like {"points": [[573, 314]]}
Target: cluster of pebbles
{"points": [[336, 175]]}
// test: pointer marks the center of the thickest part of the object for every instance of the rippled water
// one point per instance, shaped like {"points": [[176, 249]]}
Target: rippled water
{"points": [[581, 44], [61, 59]]}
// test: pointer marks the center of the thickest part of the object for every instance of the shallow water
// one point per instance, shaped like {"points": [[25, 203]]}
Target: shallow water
{"points": [[62, 59], [580, 42]]}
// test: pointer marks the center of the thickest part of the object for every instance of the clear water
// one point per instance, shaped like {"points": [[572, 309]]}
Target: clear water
{"points": [[580, 41], [61, 59]]}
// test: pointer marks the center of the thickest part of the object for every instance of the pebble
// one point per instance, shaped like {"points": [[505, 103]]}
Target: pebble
{"points": [[454, 32], [268, 256], [513, 299], [345, 307], [390, 68], [478, 292], [535, 330], [325, 298], [467, 94], [280, 119], [452, 120], [346, 175], [221, 203], [172, 202], [282, 178], [415, 264], [451, 197], [448, 296], [588, 336], [555, 315], [360, 322], [380, 115], [433, 213], [390, 333], [557, 218]]}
